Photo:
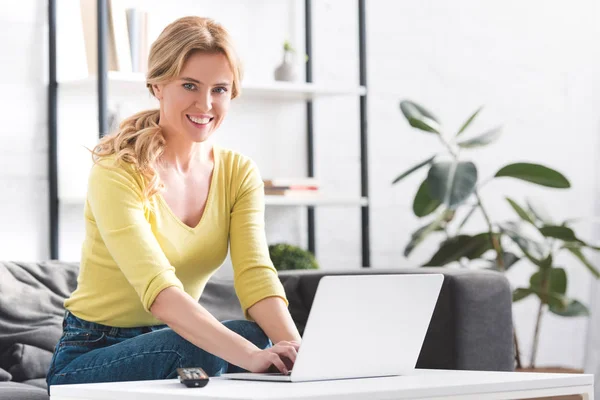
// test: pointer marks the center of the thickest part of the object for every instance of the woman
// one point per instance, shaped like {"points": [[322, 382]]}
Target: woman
{"points": [[163, 203]]}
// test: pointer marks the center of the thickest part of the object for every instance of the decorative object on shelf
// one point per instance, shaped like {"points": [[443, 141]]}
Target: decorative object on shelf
{"points": [[289, 257], [452, 188], [287, 71]]}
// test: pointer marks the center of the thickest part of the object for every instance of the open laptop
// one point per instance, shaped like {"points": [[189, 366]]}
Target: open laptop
{"points": [[362, 326]]}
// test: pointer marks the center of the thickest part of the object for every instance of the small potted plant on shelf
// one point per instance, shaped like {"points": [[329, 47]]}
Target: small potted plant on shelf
{"points": [[287, 70], [451, 193]]}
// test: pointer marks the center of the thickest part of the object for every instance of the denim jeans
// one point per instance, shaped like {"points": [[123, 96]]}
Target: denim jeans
{"points": [[89, 352]]}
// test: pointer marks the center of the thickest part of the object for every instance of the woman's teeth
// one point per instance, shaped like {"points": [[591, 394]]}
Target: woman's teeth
{"points": [[201, 121]]}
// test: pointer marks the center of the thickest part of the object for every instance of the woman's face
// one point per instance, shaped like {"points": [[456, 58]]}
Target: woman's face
{"points": [[195, 103]]}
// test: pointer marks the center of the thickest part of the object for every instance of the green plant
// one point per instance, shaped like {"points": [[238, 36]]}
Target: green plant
{"points": [[287, 48], [290, 257], [452, 188]]}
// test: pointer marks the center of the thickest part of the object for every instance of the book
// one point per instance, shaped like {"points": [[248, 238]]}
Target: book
{"points": [[292, 182]]}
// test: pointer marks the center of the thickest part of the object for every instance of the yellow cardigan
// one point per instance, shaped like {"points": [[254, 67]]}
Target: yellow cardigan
{"points": [[133, 250]]}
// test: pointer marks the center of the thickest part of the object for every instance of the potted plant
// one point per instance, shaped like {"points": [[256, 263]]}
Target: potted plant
{"points": [[289, 257], [452, 192]]}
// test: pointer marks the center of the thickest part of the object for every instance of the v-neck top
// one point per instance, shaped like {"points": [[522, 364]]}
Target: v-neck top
{"points": [[133, 249]]}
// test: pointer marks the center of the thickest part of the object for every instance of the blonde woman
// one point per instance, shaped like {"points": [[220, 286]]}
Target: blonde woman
{"points": [[163, 204]]}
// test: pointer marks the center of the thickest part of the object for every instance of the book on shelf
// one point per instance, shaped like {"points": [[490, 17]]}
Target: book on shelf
{"points": [[295, 183], [291, 186], [127, 37]]}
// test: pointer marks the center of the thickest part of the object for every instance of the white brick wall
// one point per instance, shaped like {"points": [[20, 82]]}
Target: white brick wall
{"points": [[534, 66]]}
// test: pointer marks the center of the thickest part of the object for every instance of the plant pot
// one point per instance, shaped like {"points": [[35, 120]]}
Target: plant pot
{"points": [[554, 370], [286, 71]]}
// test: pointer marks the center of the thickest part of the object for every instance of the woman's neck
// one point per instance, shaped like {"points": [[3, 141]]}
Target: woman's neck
{"points": [[184, 155]]}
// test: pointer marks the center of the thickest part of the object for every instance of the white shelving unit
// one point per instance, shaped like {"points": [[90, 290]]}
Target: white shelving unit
{"points": [[120, 81]]}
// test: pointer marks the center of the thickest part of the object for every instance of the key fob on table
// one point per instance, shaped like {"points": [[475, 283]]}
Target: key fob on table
{"points": [[192, 377]]}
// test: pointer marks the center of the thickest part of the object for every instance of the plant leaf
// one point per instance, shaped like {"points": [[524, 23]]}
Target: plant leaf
{"points": [[481, 140], [456, 247], [559, 232], [557, 281], [530, 248], [521, 293], [420, 234], [418, 117], [413, 169], [573, 309], [576, 251], [423, 203], [452, 183], [520, 211], [509, 259], [468, 121], [535, 173]]}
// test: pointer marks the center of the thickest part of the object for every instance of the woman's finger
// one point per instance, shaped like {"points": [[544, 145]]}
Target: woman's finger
{"points": [[275, 360]]}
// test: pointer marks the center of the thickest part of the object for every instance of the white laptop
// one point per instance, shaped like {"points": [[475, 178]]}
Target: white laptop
{"points": [[362, 326]]}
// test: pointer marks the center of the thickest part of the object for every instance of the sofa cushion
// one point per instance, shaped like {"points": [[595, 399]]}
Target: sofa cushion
{"points": [[220, 299], [31, 310], [21, 391], [25, 362], [4, 375], [297, 308], [39, 382]]}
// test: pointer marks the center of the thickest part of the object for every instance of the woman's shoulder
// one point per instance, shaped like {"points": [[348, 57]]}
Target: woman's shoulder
{"points": [[111, 166], [234, 161]]}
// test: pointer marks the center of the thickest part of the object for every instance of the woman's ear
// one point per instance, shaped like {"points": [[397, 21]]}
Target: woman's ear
{"points": [[157, 91]]}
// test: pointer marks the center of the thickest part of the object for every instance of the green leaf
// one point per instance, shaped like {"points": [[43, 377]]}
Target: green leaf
{"points": [[509, 259], [413, 169], [420, 234], [576, 251], [452, 183], [521, 293], [520, 211], [557, 281], [468, 121], [532, 250], [482, 140], [418, 117], [424, 204], [573, 309], [458, 247], [535, 173], [559, 232]]}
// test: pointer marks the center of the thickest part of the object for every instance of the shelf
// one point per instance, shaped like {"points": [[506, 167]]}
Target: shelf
{"points": [[270, 201], [274, 89]]}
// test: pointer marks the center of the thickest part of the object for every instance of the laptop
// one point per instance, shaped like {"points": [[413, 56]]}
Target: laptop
{"points": [[362, 326]]}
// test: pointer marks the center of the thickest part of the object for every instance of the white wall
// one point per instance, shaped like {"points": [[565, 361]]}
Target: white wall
{"points": [[532, 65], [23, 144]]}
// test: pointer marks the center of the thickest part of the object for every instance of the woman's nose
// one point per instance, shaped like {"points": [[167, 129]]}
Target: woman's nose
{"points": [[204, 101]]}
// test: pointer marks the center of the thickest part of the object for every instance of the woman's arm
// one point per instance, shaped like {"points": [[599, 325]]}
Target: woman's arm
{"points": [[273, 317], [194, 323]]}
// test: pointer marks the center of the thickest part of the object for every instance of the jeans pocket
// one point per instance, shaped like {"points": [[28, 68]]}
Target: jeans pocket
{"points": [[77, 337]]}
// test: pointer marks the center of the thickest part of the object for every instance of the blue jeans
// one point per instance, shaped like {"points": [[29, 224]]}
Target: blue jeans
{"points": [[89, 352]]}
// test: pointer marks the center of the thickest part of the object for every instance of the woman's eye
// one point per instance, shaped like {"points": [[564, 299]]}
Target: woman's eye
{"points": [[189, 86], [220, 90]]}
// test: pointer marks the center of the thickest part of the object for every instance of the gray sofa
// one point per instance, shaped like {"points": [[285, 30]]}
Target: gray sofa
{"points": [[471, 326]]}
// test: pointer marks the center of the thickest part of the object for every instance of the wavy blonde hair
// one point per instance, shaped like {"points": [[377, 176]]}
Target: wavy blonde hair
{"points": [[139, 140]]}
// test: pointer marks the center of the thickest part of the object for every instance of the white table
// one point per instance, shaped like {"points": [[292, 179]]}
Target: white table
{"points": [[429, 384]]}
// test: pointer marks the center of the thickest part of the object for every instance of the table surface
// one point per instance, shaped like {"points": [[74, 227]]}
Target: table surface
{"points": [[419, 384]]}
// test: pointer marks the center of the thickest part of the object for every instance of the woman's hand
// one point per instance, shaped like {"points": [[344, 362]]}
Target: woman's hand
{"points": [[261, 360]]}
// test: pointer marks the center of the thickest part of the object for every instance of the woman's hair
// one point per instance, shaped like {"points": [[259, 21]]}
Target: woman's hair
{"points": [[139, 140]]}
